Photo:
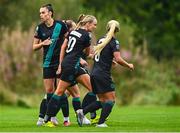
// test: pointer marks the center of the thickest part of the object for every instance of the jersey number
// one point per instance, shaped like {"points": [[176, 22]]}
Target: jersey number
{"points": [[96, 58], [71, 43]]}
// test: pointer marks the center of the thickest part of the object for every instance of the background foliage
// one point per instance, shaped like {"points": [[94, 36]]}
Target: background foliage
{"points": [[149, 38]]}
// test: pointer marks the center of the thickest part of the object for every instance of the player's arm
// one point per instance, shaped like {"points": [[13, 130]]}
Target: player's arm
{"points": [[114, 63], [37, 44], [121, 61], [62, 53], [87, 51], [63, 50], [83, 62]]}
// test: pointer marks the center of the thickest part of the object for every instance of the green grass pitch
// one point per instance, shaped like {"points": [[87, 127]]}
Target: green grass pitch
{"points": [[151, 119]]}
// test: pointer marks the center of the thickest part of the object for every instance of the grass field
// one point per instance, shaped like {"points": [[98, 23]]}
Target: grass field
{"points": [[122, 119]]}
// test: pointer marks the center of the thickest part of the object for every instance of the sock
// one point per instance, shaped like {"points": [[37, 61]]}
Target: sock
{"points": [[52, 107], [64, 104], [66, 119], [93, 115], [76, 103], [89, 98], [43, 107], [49, 95], [92, 107], [106, 110]]}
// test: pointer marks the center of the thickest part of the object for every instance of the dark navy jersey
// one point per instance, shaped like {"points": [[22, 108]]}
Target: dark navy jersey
{"points": [[84, 56], [103, 62], [78, 40], [56, 32]]}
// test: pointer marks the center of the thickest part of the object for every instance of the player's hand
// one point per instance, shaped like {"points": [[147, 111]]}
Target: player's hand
{"points": [[83, 62], [47, 42], [131, 66], [91, 56], [114, 63], [58, 70]]}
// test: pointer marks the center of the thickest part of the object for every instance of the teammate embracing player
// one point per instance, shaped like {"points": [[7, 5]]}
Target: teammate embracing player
{"points": [[78, 41], [107, 49]]}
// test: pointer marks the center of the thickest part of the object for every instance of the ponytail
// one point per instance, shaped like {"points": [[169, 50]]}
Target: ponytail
{"points": [[81, 17], [112, 27]]}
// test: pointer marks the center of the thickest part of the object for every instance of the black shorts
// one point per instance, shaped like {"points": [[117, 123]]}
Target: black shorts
{"points": [[50, 72], [86, 69], [70, 74], [102, 84]]}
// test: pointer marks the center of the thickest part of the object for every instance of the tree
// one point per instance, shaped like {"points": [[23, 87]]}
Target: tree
{"points": [[156, 20]]}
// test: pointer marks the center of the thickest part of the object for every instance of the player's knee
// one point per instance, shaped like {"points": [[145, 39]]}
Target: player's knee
{"points": [[75, 95], [59, 92], [49, 90]]}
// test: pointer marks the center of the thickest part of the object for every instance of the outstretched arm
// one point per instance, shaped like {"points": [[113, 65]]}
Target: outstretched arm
{"points": [[121, 61]]}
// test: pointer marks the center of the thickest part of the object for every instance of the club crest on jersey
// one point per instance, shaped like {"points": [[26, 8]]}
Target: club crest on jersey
{"points": [[117, 42], [117, 46], [43, 34]]}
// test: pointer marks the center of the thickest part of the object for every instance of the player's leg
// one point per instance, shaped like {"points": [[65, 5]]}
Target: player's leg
{"points": [[90, 97], [64, 106], [75, 93], [52, 107], [48, 84], [107, 101]]}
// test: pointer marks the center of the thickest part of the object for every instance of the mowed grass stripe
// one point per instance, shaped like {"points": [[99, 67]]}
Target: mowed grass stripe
{"points": [[160, 118]]}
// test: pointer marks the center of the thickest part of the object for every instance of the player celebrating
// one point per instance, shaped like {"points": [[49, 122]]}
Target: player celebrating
{"points": [[78, 41], [103, 86]]}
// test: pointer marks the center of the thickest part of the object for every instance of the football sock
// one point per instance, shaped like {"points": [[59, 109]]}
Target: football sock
{"points": [[76, 102], [88, 99], [106, 110], [66, 119], [49, 95], [43, 107], [52, 107], [64, 104], [93, 115], [92, 107]]}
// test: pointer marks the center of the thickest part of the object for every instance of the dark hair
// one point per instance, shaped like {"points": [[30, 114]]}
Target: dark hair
{"points": [[68, 24], [49, 7]]}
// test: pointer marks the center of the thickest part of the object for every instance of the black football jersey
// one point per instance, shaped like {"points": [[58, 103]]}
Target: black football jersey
{"points": [[78, 40], [56, 32], [103, 62]]}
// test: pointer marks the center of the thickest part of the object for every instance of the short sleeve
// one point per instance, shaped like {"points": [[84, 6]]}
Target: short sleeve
{"points": [[64, 28], [88, 40], [115, 45], [37, 33], [67, 37]]}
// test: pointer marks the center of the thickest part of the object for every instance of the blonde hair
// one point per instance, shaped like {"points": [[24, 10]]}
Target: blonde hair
{"points": [[85, 19], [81, 17], [112, 27]]}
